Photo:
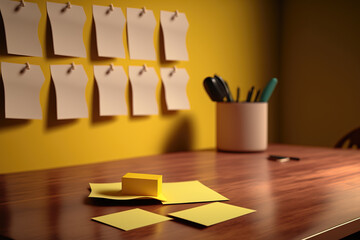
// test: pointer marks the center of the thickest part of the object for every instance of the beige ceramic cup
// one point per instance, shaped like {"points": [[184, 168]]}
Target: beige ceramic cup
{"points": [[242, 127]]}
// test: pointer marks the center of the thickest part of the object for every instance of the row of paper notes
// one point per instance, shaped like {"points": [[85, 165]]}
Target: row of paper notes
{"points": [[21, 20], [22, 85]]}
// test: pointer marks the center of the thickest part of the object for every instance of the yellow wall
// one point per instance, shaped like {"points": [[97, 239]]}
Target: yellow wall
{"points": [[320, 69], [237, 39]]}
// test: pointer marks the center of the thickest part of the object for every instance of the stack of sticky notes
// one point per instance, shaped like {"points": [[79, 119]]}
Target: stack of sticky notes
{"points": [[143, 186]]}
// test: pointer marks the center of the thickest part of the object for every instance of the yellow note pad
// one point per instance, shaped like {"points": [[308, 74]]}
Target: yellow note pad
{"points": [[113, 191], [141, 184], [212, 213], [172, 193], [131, 219]]}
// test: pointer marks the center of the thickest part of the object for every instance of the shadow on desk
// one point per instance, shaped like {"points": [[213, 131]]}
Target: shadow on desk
{"points": [[5, 238], [355, 236], [110, 202]]}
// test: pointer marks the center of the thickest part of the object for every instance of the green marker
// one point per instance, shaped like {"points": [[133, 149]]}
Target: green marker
{"points": [[268, 90]]}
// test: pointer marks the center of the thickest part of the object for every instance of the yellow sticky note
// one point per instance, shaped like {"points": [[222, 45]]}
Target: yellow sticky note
{"points": [[141, 184], [113, 191], [212, 213], [189, 192], [172, 193], [131, 219]]}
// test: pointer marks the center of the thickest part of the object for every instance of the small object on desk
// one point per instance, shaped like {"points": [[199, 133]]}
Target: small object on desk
{"points": [[211, 214], [276, 157], [237, 94], [250, 93], [279, 159], [256, 99], [268, 90], [131, 219], [142, 184]]}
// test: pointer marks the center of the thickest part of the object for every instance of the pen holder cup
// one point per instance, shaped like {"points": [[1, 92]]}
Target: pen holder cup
{"points": [[242, 127]]}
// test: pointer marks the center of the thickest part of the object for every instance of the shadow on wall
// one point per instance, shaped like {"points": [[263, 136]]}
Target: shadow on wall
{"points": [[3, 46], [181, 138]]}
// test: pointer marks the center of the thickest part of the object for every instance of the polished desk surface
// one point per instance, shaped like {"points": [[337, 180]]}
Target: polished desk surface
{"points": [[293, 200]]}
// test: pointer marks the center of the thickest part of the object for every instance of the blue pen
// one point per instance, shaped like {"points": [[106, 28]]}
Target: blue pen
{"points": [[268, 90]]}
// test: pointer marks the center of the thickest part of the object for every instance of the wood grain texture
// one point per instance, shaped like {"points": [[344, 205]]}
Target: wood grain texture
{"points": [[293, 200]]}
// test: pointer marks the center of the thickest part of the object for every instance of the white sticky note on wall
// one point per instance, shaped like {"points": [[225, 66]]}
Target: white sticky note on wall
{"points": [[140, 28], [70, 87], [21, 27], [111, 83], [143, 85], [109, 26], [174, 26], [22, 90], [67, 29], [175, 82]]}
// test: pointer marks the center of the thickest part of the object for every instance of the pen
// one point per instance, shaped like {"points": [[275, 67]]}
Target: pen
{"points": [[230, 97], [250, 94], [268, 90], [257, 96], [280, 157], [237, 94]]}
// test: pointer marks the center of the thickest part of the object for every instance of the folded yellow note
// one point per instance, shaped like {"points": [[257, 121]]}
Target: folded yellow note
{"points": [[141, 184], [172, 193]]}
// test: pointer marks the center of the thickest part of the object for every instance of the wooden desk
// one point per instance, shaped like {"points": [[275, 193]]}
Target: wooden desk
{"points": [[294, 200]]}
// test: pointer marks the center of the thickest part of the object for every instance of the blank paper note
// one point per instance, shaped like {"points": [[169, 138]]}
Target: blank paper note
{"points": [[189, 192], [172, 193], [22, 90], [212, 213], [67, 23], [114, 191], [70, 86], [111, 82], [175, 81], [140, 27], [131, 219], [143, 85], [109, 26], [21, 27], [174, 26]]}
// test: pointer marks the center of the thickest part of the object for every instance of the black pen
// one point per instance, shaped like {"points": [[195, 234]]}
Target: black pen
{"points": [[280, 157], [257, 95], [250, 94], [237, 94]]}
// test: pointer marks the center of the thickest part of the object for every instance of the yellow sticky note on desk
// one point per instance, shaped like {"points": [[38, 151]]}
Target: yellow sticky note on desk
{"points": [[172, 193], [142, 184], [212, 213], [131, 219]]}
